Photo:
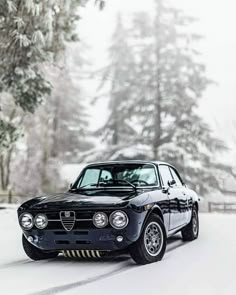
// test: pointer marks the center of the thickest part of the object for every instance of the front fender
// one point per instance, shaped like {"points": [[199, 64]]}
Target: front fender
{"points": [[155, 209]]}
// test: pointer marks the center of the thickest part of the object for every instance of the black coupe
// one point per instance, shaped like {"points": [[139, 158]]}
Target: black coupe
{"points": [[112, 206]]}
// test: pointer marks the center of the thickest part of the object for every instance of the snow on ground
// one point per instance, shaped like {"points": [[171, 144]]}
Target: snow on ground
{"points": [[205, 266]]}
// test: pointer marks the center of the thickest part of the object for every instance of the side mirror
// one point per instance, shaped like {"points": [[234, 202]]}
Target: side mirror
{"points": [[165, 189], [171, 182]]}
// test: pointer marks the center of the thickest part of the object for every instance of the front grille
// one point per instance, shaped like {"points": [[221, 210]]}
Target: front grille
{"points": [[78, 225], [83, 220], [78, 214], [67, 219]]}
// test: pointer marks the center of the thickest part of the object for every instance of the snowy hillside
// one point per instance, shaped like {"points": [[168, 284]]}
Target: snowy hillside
{"points": [[205, 266]]}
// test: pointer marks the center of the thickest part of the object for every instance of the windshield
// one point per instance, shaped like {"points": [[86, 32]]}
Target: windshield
{"points": [[118, 175]]}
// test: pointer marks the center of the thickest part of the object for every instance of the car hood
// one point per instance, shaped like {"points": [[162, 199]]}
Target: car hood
{"points": [[64, 201]]}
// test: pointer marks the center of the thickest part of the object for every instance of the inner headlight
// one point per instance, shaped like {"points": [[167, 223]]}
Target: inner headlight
{"points": [[41, 221], [100, 219], [118, 219], [26, 221]]}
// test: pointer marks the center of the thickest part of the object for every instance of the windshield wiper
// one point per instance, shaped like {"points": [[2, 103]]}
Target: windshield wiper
{"points": [[81, 187], [126, 181], [102, 185]]}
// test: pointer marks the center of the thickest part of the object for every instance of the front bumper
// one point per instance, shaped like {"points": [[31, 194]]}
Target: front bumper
{"points": [[88, 239]]}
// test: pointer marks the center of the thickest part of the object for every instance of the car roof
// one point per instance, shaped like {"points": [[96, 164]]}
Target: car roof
{"points": [[128, 162]]}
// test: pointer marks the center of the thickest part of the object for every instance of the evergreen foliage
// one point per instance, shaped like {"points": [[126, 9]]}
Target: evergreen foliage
{"points": [[165, 79], [32, 32]]}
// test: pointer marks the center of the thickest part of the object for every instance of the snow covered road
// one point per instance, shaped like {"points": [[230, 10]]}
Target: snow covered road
{"points": [[205, 266]]}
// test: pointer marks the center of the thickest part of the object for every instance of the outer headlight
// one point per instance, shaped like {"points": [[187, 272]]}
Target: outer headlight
{"points": [[100, 219], [118, 219], [26, 221], [41, 221]]}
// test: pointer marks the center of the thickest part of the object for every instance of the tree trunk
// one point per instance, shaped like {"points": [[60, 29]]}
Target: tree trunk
{"points": [[115, 136], [54, 149], [45, 158], [2, 172], [115, 118], [5, 168], [157, 122], [158, 109], [8, 166]]}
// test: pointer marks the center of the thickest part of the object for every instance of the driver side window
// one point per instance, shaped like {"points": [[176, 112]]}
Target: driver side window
{"points": [[176, 177], [165, 174]]}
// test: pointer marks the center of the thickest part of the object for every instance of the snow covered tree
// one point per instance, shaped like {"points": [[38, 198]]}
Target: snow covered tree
{"points": [[33, 36], [32, 32], [118, 130], [166, 80], [172, 80], [57, 133], [10, 132]]}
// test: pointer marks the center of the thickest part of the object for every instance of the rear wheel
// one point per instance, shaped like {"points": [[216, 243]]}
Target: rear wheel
{"points": [[190, 232], [151, 245], [34, 253]]}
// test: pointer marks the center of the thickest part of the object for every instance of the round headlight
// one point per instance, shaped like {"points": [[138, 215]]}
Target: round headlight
{"points": [[118, 219], [41, 221], [100, 219], [26, 221]]}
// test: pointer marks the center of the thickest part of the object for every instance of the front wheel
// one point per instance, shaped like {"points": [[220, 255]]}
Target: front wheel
{"points": [[190, 232], [34, 253], [151, 245]]}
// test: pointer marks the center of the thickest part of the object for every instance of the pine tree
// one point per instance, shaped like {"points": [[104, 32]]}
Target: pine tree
{"points": [[57, 133], [118, 130], [33, 34], [166, 80], [172, 81]]}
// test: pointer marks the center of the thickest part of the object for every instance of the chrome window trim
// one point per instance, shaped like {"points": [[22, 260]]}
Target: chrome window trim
{"points": [[170, 167]]}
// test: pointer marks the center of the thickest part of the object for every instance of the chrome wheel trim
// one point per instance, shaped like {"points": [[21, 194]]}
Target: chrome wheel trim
{"points": [[153, 238], [195, 223]]}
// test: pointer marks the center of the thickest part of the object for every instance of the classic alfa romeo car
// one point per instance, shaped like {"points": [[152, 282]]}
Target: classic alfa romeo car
{"points": [[127, 205]]}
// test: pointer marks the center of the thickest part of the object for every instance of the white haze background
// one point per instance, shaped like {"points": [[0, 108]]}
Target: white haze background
{"points": [[215, 21]]}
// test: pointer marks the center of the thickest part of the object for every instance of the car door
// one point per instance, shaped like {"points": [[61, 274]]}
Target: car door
{"points": [[183, 197], [174, 195]]}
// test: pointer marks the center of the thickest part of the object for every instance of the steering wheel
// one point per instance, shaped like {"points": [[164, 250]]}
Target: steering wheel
{"points": [[143, 181]]}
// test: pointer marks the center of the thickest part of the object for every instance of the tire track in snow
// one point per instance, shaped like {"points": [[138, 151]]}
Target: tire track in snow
{"points": [[172, 243], [66, 287], [15, 263]]}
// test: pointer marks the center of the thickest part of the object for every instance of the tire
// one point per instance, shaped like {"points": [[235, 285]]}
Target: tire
{"points": [[145, 250], [190, 232], [34, 253]]}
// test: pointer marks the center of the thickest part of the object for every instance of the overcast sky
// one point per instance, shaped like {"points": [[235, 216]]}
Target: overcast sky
{"points": [[217, 22]]}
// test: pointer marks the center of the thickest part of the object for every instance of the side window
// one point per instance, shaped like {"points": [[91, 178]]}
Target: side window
{"points": [[148, 175], [90, 176], [165, 174], [176, 177]]}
